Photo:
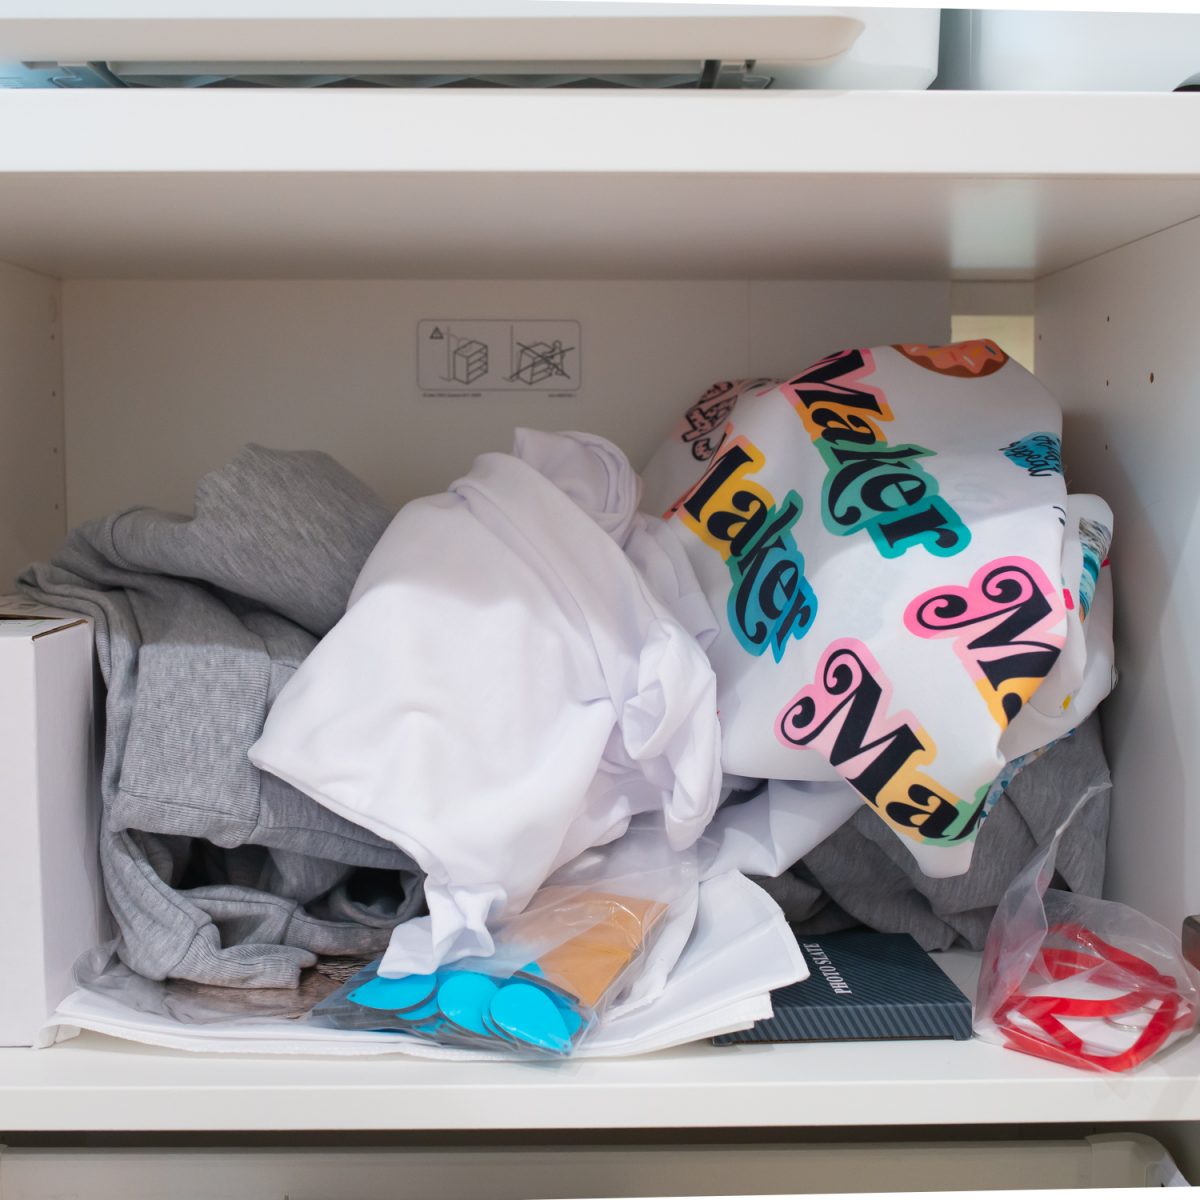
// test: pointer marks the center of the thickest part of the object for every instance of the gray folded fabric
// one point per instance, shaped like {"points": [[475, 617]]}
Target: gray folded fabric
{"points": [[199, 622], [863, 875]]}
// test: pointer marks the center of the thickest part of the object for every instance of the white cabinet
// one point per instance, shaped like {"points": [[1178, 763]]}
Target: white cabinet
{"points": [[192, 271]]}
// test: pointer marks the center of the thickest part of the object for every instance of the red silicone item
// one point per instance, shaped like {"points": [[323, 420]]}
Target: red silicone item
{"points": [[1111, 967]]}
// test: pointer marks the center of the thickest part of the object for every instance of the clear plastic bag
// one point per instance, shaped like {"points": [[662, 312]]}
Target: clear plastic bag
{"points": [[1085, 982], [558, 966]]}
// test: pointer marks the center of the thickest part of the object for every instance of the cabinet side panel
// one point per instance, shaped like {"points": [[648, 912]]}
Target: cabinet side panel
{"points": [[21, 947], [1117, 343], [32, 488]]}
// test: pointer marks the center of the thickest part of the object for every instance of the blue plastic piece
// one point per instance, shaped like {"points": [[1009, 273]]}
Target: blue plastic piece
{"points": [[529, 1015], [496, 1032], [572, 1018], [421, 1013], [464, 997], [395, 995]]}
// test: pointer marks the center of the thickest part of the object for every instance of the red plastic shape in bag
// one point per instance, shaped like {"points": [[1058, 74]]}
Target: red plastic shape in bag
{"points": [[1111, 967]]}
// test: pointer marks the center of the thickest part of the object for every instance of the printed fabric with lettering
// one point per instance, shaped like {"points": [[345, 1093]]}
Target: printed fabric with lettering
{"points": [[898, 575]]}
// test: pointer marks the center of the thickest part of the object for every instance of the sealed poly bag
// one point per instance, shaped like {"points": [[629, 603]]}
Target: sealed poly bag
{"points": [[1081, 981], [545, 1005], [558, 967], [887, 542]]}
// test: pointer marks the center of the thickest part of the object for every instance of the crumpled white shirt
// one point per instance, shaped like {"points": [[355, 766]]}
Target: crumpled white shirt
{"points": [[519, 672]]}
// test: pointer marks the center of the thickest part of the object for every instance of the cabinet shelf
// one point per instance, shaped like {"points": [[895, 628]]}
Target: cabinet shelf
{"points": [[98, 1083], [467, 184]]}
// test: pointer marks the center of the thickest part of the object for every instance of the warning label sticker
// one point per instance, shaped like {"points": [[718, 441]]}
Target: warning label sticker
{"points": [[471, 357]]}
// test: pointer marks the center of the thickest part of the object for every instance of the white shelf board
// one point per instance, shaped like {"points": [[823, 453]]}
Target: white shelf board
{"points": [[467, 184], [95, 1083]]}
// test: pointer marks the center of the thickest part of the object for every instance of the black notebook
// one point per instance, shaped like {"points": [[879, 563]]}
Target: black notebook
{"points": [[863, 986]]}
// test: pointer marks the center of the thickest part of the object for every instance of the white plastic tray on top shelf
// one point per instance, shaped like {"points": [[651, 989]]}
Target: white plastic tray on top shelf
{"points": [[418, 30], [98, 1083]]}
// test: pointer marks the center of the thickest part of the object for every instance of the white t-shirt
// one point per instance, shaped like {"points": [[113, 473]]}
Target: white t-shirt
{"points": [[507, 689]]}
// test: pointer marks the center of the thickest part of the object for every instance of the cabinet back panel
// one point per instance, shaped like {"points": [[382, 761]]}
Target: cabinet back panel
{"points": [[165, 380]]}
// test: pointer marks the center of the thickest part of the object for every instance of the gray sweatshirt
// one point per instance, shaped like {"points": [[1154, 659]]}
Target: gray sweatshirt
{"points": [[214, 871]]}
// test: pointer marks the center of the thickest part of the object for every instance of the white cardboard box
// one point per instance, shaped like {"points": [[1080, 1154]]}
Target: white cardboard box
{"points": [[50, 890]]}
